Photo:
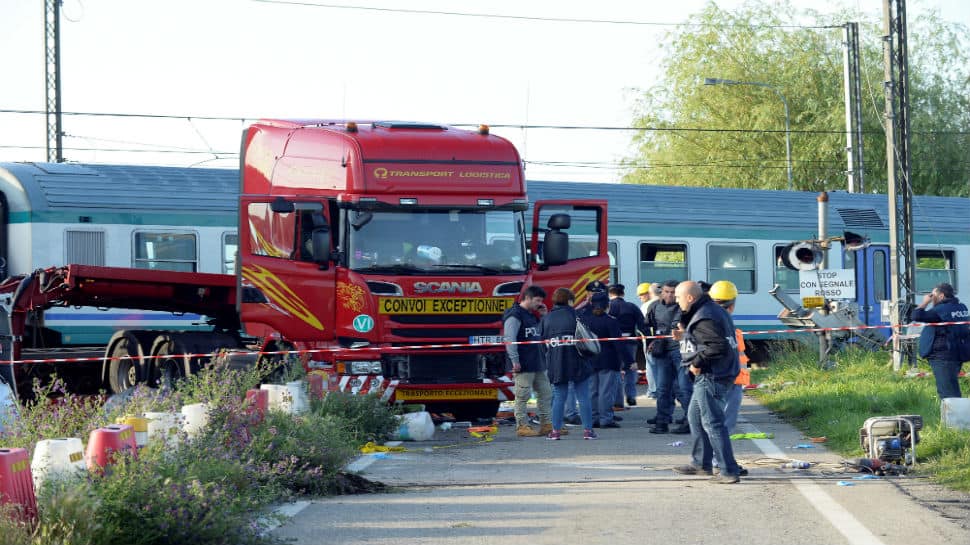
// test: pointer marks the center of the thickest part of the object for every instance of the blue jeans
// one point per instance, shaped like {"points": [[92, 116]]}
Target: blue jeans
{"points": [[732, 406], [947, 377], [572, 410], [601, 395], [651, 369], [709, 437], [630, 381], [559, 393], [668, 369]]}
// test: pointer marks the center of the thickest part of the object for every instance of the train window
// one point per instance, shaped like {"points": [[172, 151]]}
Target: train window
{"points": [[785, 277], [84, 247], [879, 281], [934, 267], [734, 262], [662, 262], [166, 251], [230, 249]]}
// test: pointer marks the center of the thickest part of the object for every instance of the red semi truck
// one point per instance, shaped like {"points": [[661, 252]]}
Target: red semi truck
{"points": [[381, 254]]}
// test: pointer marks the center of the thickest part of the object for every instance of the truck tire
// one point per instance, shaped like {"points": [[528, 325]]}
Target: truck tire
{"points": [[478, 410], [125, 359]]}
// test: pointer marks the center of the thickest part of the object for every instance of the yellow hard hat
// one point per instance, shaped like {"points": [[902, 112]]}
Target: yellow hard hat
{"points": [[643, 288], [723, 290]]}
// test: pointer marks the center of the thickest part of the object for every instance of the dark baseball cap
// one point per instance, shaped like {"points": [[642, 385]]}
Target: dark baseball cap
{"points": [[600, 300]]}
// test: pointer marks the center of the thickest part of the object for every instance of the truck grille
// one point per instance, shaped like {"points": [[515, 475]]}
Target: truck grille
{"points": [[442, 333], [445, 368]]}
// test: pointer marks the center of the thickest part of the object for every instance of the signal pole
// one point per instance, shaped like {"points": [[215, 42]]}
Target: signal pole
{"points": [[52, 58], [855, 173], [901, 259]]}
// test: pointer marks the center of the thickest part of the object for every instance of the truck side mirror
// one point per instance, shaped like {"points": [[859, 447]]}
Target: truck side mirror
{"points": [[555, 248], [320, 242], [281, 205]]}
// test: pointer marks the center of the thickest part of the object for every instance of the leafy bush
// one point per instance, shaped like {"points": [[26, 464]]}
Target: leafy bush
{"points": [[366, 417], [303, 453]]}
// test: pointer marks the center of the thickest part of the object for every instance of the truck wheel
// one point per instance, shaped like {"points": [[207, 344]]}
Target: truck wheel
{"points": [[482, 410], [122, 369]]}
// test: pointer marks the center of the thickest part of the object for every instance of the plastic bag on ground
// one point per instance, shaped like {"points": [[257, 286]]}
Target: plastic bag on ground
{"points": [[415, 427]]}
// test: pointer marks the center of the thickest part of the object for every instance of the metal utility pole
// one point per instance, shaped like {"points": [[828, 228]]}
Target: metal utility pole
{"points": [[52, 57], [902, 256], [853, 109]]}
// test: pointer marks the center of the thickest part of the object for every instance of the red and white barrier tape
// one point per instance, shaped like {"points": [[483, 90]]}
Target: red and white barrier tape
{"points": [[460, 345]]}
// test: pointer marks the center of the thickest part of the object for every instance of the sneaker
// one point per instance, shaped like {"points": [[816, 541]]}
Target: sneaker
{"points": [[574, 420], [660, 428], [610, 425], [618, 418], [682, 429], [742, 471], [589, 434], [564, 431], [631, 401], [652, 421], [690, 469], [526, 431], [725, 479], [553, 435]]}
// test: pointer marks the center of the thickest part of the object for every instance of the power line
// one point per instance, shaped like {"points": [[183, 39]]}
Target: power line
{"points": [[532, 18], [517, 126]]}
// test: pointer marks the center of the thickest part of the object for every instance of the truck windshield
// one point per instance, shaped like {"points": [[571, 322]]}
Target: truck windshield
{"points": [[437, 241]]}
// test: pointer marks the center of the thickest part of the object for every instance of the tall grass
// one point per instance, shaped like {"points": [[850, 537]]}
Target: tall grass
{"points": [[836, 402]]}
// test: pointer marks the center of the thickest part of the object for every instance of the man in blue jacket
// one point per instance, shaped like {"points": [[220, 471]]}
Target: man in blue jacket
{"points": [[936, 342], [606, 364], [708, 347], [631, 325]]}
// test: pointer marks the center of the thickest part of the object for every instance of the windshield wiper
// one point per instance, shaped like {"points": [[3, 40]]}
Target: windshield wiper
{"points": [[397, 268]]}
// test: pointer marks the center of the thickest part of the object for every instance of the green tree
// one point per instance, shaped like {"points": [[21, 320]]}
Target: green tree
{"points": [[734, 135]]}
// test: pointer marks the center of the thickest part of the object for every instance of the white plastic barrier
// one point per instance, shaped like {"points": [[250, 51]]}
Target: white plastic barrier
{"points": [[8, 406], [196, 418], [164, 427], [291, 398], [415, 427], [56, 459], [955, 412]]}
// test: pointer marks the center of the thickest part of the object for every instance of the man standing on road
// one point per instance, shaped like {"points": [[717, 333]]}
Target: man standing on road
{"points": [[606, 364], [708, 346], [528, 367], [934, 344], [663, 319], [631, 322]]}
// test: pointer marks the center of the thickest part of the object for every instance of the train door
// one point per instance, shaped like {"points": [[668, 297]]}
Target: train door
{"points": [[872, 280]]}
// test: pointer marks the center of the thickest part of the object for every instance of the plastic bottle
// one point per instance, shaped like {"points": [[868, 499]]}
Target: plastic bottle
{"points": [[796, 464]]}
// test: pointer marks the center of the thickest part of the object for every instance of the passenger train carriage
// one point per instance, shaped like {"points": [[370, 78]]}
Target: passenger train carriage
{"points": [[184, 219]]}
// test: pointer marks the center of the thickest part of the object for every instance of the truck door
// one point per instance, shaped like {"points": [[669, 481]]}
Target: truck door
{"points": [[285, 289], [872, 279], [588, 256]]}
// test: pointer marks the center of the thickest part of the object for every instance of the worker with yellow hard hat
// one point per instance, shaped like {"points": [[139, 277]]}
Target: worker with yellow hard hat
{"points": [[725, 293]]}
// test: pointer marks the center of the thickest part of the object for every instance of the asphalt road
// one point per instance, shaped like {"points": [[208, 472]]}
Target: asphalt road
{"points": [[619, 489]]}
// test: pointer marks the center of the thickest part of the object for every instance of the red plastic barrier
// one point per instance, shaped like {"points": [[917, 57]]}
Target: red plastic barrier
{"points": [[106, 443], [257, 402], [316, 385], [16, 483]]}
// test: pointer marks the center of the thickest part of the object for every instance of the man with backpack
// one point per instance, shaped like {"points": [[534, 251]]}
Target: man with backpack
{"points": [[944, 347]]}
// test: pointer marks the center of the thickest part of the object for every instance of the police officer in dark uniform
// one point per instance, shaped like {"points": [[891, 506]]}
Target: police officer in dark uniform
{"points": [[709, 349], [527, 361], [933, 340], [631, 323]]}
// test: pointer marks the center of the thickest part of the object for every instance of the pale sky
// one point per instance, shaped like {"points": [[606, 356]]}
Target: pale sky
{"points": [[244, 58]]}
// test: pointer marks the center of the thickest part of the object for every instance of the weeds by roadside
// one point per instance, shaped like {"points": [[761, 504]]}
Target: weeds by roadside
{"points": [[836, 402], [212, 487]]}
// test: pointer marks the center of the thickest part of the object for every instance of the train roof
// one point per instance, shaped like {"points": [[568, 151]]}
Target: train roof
{"points": [[633, 206], [49, 187], [61, 186]]}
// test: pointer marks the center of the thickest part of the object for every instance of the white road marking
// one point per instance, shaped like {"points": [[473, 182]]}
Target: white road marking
{"points": [[835, 513]]}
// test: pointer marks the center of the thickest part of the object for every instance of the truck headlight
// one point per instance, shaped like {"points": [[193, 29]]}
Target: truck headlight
{"points": [[364, 367]]}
